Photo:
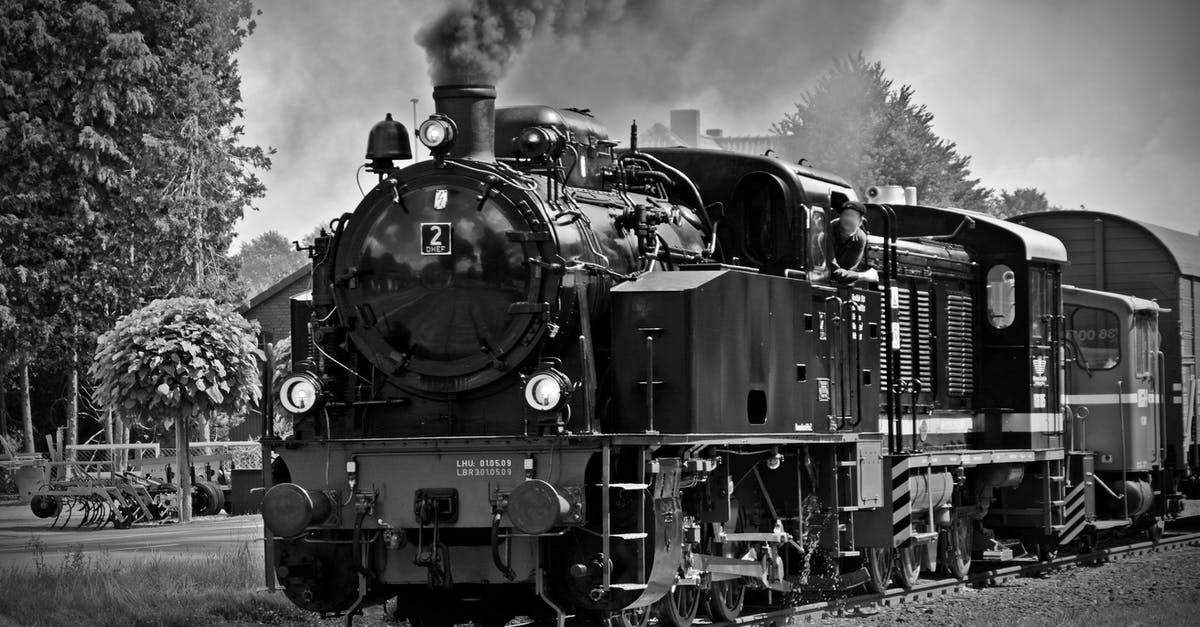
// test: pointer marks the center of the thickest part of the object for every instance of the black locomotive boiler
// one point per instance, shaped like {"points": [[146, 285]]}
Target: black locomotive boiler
{"points": [[540, 376]]}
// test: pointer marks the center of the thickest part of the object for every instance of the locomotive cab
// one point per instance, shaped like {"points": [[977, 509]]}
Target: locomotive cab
{"points": [[1113, 393]]}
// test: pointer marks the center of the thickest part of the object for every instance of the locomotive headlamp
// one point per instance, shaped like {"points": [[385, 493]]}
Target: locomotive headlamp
{"points": [[300, 392], [547, 390], [539, 142], [437, 133]]}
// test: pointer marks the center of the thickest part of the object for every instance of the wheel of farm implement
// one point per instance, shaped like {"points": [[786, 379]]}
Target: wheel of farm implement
{"points": [[878, 562], [956, 550], [726, 599], [678, 608], [908, 565], [122, 517], [45, 506], [207, 498]]}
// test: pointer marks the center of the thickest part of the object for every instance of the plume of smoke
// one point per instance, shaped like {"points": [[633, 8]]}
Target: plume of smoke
{"points": [[739, 60], [477, 40]]}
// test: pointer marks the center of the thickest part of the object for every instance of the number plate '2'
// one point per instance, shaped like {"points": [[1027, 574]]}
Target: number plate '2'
{"points": [[435, 238]]}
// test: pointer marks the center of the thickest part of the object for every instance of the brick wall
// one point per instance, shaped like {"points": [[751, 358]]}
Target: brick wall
{"points": [[272, 310]]}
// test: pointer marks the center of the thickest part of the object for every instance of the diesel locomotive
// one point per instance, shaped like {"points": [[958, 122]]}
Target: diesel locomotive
{"points": [[540, 375]]}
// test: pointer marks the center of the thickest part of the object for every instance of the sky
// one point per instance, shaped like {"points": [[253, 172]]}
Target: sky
{"points": [[1094, 102]]}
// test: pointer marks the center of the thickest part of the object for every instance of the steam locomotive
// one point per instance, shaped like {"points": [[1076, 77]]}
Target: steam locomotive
{"points": [[542, 376]]}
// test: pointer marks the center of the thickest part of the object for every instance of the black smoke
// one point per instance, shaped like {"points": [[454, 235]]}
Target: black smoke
{"points": [[743, 62]]}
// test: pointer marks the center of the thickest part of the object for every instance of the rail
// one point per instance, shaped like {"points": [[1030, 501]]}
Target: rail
{"points": [[894, 597]]}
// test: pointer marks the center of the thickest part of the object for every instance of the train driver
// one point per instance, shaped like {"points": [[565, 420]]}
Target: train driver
{"points": [[850, 246]]}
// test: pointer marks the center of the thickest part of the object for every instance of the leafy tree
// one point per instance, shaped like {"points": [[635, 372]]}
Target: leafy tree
{"points": [[854, 123], [281, 366], [265, 259], [179, 361], [1020, 201], [122, 172]]}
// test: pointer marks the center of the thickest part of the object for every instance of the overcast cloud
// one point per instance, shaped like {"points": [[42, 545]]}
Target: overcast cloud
{"points": [[1094, 102]]}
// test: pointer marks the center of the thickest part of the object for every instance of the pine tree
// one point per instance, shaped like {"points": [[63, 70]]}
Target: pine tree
{"points": [[855, 123], [1021, 201]]}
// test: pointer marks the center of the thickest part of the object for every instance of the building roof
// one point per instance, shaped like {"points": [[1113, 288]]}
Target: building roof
{"points": [[1183, 248], [748, 144], [659, 136], [275, 289]]}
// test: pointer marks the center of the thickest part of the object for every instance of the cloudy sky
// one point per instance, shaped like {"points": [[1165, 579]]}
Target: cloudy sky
{"points": [[1095, 102]]}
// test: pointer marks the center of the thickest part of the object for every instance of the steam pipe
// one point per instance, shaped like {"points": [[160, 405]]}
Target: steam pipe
{"points": [[683, 181], [967, 224], [889, 235], [1124, 427], [504, 568]]}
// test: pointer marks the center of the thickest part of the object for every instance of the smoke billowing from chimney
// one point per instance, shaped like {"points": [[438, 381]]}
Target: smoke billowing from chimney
{"points": [[743, 63], [477, 40]]}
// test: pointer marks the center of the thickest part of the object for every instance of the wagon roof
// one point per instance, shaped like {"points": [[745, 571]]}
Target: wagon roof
{"points": [[1183, 248]]}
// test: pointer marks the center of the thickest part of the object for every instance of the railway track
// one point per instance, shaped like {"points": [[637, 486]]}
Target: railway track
{"points": [[847, 607]]}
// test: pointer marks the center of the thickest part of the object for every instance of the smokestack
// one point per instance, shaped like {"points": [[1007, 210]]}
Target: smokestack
{"points": [[685, 123], [473, 109]]}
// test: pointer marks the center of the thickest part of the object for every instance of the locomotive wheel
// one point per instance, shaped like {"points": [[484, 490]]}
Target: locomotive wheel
{"points": [[639, 617], [956, 550], [726, 599], [1088, 541], [908, 565], [878, 561], [678, 609], [431, 620], [1047, 550], [1154, 532]]}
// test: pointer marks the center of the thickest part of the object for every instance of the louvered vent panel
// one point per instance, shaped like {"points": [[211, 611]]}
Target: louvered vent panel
{"points": [[960, 363]]}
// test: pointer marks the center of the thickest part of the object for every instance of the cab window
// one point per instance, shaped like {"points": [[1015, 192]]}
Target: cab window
{"points": [[767, 227], [1145, 327], [816, 244], [1001, 296], [1096, 338]]}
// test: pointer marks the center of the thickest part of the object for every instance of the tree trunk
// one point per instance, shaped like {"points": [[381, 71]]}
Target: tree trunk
{"points": [[4, 401], [120, 437], [184, 468], [72, 412], [26, 408], [114, 465]]}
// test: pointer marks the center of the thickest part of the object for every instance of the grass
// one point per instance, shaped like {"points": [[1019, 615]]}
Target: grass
{"points": [[85, 589]]}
